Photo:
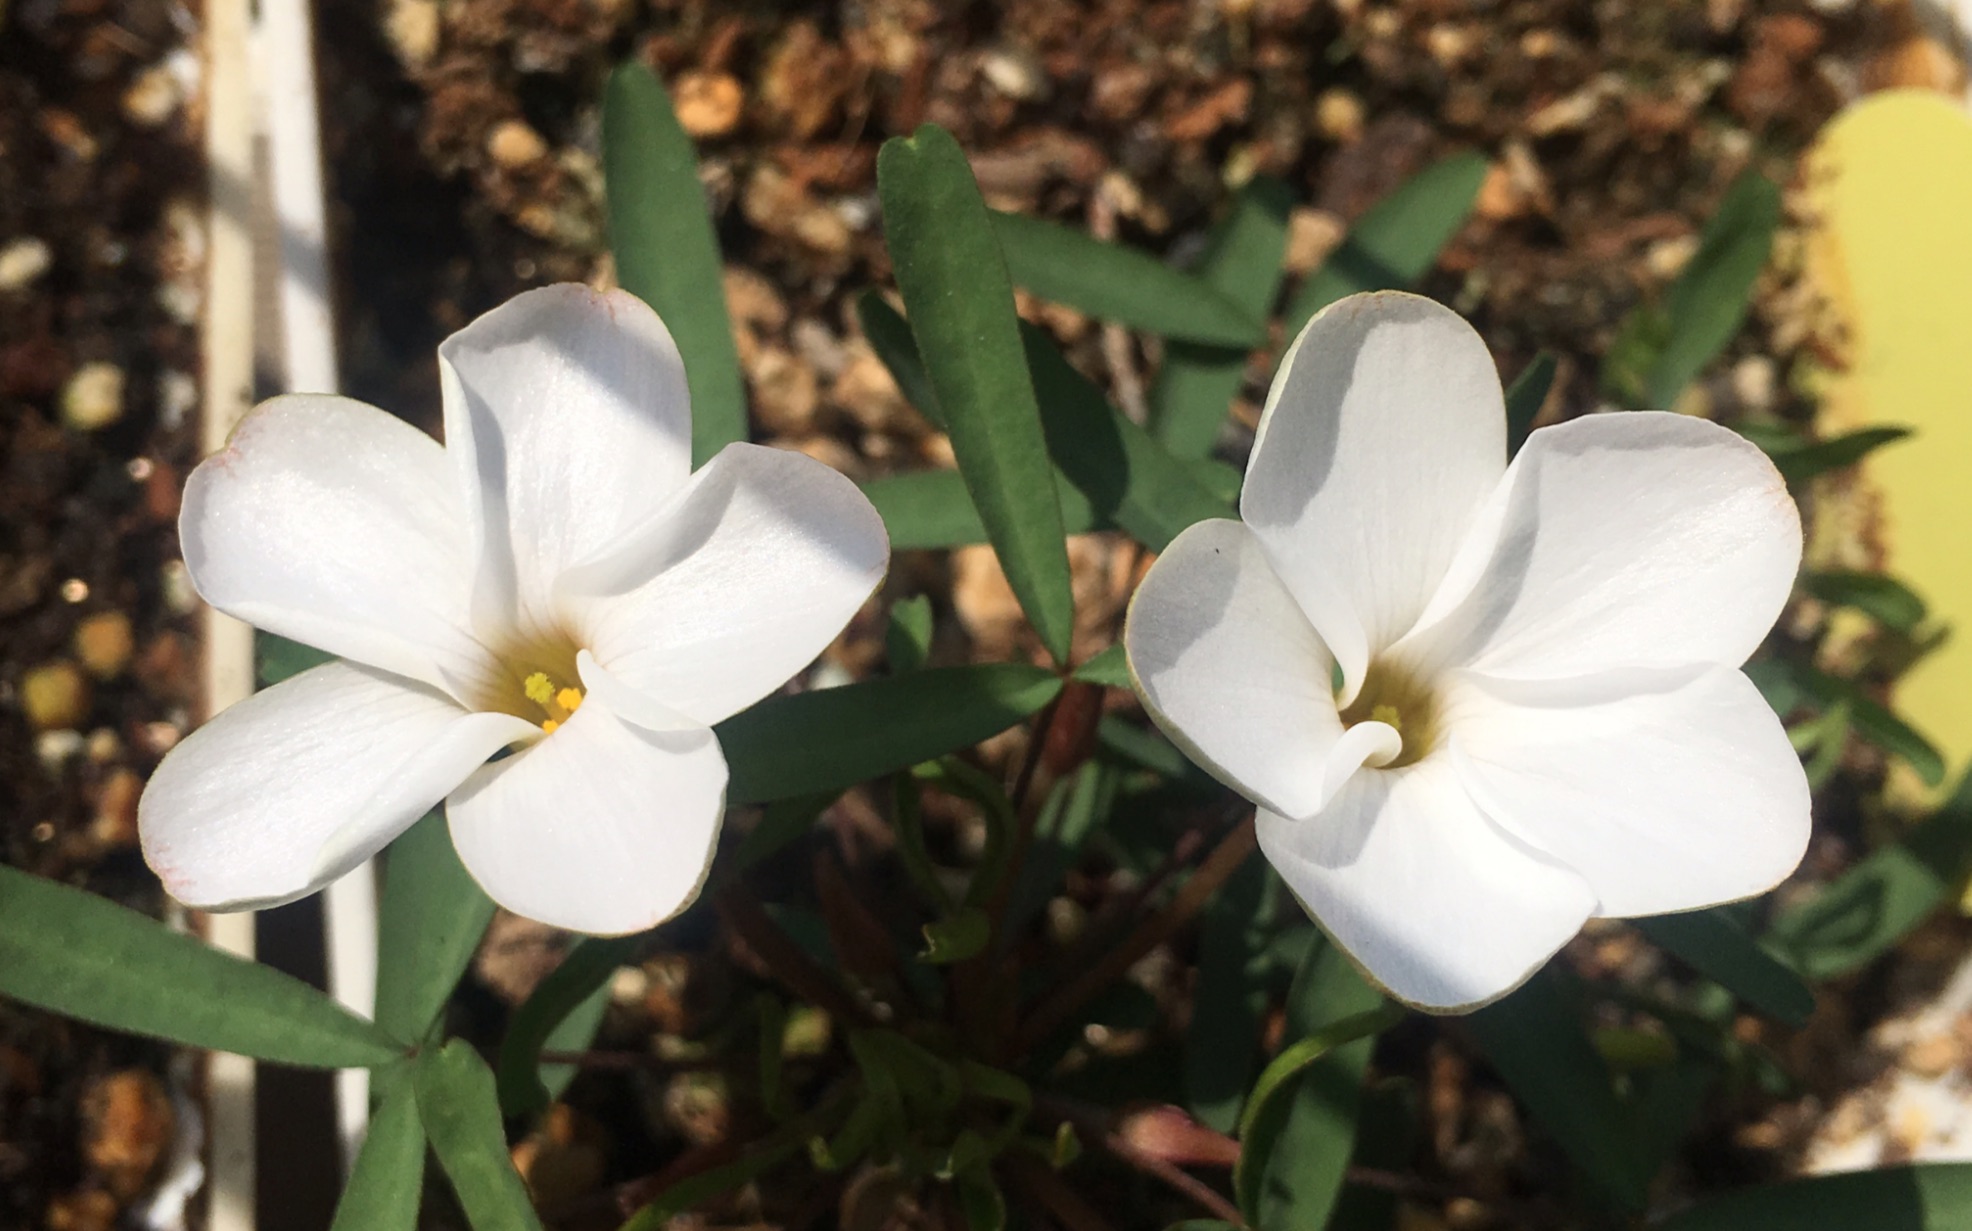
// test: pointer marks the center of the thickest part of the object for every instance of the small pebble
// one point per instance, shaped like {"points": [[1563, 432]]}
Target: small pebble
{"points": [[1340, 115], [514, 144], [413, 27], [1014, 72], [22, 261], [55, 696], [153, 97], [708, 104], [93, 398], [55, 749], [103, 642]]}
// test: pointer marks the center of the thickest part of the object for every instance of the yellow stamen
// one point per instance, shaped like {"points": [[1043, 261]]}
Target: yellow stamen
{"points": [[1387, 714], [569, 699], [548, 727], [539, 688]]}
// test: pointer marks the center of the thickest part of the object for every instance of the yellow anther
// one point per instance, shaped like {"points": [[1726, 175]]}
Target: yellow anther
{"points": [[549, 726], [1387, 714], [569, 699], [539, 688]]}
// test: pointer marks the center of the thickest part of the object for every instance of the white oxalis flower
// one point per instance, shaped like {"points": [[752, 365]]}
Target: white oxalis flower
{"points": [[1541, 717], [555, 580]]}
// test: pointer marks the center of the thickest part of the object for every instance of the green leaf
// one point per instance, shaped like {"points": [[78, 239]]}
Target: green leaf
{"points": [[666, 252], [428, 925], [1111, 282], [1871, 718], [889, 335], [980, 1201], [1535, 1039], [1714, 944], [1525, 397], [1198, 382], [387, 1182], [1859, 915], [78, 955], [462, 1119], [781, 822], [1397, 240], [907, 640], [1223, 1039], [960, 305], [1799, 460], [281, 659], [1110, 669], [1923, 1197], [957, 937], [576, 1032], [1299, 1126], [1884, 599], [693, 1191], [1662, 349], [1126, 475], [567, 988], [1386, 1139], [836, 737]]}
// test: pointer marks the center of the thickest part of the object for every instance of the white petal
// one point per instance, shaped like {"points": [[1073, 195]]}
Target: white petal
{"points": [[1384, 434], [340, 526], [294, 786], [567, 414], [1433, 901], [1666, 790], [722, 596], [1631, 539], [1231, 670], [602, 827]]}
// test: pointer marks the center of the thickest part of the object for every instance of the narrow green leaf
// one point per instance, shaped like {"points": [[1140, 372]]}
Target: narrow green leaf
{"points": [[1923, 1197], [1799, 460], [1223, 1040], [387, 1182], [836, 737], [1298, 1129], [1398, 240], [693, 1191], [1535, 1039], [1666, 1105], [1126, 475], [280, 659], [81, 956], [907, 640], [960, 305], [1871, 718], [1386, 1139], [1708, 302], [428, 925], [781, 822], [567, 988], [666, 253], [957, 937], [889, 335], [1859, 915], [1714, 944], [1197, 382], [980, 1201], [576, 1032], [1110, 668], [462, 1120], [1109, 281], [1884, 599], [1525, 397]]}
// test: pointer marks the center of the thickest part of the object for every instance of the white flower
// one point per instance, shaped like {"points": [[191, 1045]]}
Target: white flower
{"points": [[554, 581], [1540, 717]]}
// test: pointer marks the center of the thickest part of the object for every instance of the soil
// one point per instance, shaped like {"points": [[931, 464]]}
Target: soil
{"points": [[462, 143]]}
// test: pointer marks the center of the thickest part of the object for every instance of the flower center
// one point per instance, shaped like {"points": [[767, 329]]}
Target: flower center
{"points": [[1392, 695], [554, 700]]}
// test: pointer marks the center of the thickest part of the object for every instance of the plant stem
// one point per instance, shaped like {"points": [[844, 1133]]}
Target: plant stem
{"points": [[1055, 1011], [742, 913]]}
